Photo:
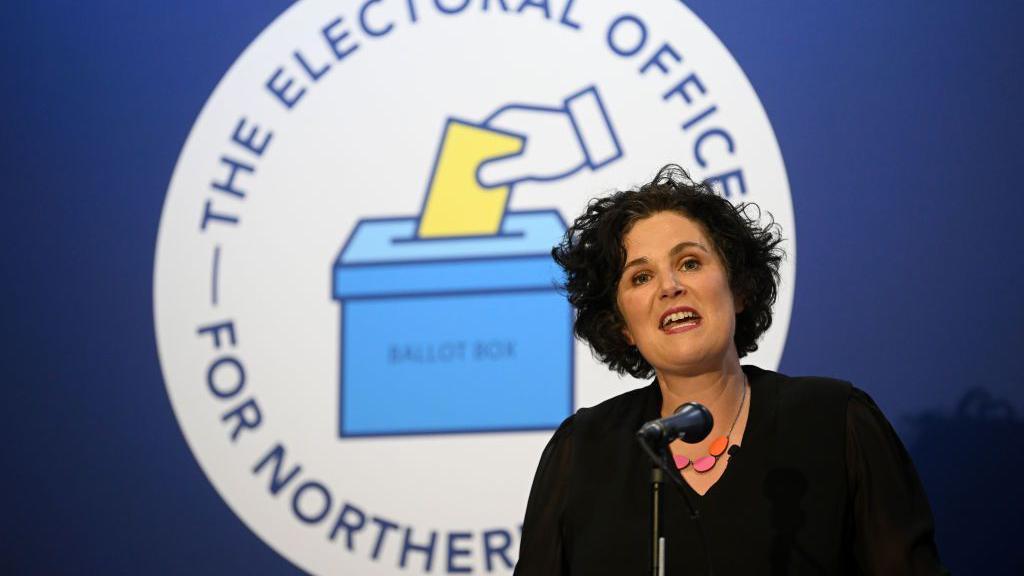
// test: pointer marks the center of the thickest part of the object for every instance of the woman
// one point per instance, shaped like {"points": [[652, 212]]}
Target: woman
{"points": [[798, 475]]}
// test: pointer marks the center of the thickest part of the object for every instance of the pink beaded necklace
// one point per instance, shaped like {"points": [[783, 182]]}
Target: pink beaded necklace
{"points": [[717, 447]]}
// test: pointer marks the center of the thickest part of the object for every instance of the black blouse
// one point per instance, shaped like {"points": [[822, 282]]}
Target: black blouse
{"points": [[821, 485]]}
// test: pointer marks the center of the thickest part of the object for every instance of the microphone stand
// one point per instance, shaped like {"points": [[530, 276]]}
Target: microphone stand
{"points": [[658, 552], [661, 468]]}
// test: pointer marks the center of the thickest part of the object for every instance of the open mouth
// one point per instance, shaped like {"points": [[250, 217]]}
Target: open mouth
{"points": [[679, 318]]}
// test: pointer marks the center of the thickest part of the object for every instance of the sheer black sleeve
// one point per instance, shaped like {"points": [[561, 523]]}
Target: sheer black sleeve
{"points": [[893, 531], [540, 548]]}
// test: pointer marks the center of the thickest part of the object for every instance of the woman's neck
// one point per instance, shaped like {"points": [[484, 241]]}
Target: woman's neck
{"points": [[712, 388]]}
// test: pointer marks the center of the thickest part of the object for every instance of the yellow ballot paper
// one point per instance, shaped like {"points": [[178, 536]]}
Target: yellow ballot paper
{"points": [[457, 205]]}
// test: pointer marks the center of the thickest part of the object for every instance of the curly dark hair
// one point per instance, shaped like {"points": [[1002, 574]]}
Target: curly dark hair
{"points": [[592, 254]]}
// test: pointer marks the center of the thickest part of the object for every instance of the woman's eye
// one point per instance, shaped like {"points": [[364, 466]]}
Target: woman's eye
{"points": [[641, 278], [689, 264]]}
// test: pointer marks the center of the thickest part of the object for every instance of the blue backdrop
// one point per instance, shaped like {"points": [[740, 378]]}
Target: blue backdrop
{"points": [[900, 127]]}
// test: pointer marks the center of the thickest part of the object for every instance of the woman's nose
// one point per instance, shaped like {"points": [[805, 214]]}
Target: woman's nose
{"points": [[670, 286]]}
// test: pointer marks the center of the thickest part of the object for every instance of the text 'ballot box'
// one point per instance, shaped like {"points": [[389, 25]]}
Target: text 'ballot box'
{"points": [[453, 335]]}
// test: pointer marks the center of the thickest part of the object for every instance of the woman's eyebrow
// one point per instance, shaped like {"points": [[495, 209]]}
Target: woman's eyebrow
{"points": [[635, 262], [675, 250], [684, 245]]}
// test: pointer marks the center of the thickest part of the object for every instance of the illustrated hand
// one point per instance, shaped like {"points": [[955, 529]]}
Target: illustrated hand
{"points": [[551, 148], [558, 141]]}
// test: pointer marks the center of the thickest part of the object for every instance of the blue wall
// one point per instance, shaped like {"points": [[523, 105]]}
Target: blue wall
{"points": [[900, 128]]}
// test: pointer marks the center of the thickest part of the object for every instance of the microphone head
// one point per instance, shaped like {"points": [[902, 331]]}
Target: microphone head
{"points": [[695, 422], [691, 422]]}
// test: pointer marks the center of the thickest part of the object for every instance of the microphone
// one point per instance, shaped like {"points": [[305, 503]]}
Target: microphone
{"points": [[691, 423]]}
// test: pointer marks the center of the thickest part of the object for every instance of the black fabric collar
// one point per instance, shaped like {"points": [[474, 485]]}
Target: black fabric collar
{"points": [[764, 402]]}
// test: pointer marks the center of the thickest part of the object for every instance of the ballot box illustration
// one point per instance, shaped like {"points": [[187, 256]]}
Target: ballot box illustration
{"points": [[453, 334], [452, 320]]}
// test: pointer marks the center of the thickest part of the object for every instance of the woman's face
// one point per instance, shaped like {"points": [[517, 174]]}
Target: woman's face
{"points": [[675, 298]]}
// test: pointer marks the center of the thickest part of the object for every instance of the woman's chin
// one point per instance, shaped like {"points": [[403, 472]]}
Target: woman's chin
{"points": [[691, 363]]}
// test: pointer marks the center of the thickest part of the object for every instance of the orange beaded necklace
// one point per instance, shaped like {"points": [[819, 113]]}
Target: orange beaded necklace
{"points": [[717, 448]]}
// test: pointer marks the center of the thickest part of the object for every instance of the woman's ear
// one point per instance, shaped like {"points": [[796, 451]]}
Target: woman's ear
{"points": [[629, 337]]}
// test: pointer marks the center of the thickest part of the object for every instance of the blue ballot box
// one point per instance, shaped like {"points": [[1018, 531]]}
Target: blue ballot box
{"points": [[448, 335]]}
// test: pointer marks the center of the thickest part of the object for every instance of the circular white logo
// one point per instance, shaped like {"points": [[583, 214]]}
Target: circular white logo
{"points": [[353, 291]]}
